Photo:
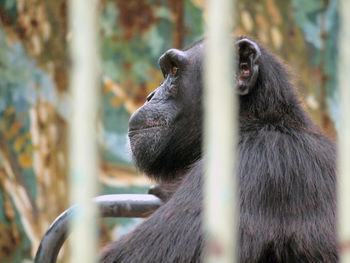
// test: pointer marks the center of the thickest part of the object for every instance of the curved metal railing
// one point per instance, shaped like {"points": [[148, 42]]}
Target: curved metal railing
{"points": [[118, 205]]}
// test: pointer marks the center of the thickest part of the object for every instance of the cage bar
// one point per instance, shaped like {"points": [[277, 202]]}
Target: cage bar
{"points": [[344, 133], [220, 134], [83, 21]]}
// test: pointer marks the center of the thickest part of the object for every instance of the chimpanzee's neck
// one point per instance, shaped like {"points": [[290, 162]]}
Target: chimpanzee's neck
{"points": [[264, 106]]}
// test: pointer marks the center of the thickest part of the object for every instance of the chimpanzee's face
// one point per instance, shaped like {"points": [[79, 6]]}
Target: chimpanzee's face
{"points": [[166, 131]]}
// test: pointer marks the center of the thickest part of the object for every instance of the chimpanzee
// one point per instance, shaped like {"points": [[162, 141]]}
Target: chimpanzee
{"points": [[286, 166]]}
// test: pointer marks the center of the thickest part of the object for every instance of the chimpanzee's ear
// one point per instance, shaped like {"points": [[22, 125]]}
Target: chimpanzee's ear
{"points": [[248, 68]]}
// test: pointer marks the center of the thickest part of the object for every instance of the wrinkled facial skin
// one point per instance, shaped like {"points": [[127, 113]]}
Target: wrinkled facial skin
{"points": [[165, 133]]}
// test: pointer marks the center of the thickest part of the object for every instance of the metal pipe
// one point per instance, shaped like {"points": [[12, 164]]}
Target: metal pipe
{"points": [[344, 133], [85, 77], [119, 205], [220, 202]]}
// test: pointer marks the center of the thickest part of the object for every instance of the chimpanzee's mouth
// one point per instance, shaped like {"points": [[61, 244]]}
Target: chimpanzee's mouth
{"points": [[141, 129], [148, 125], [145, 128]]}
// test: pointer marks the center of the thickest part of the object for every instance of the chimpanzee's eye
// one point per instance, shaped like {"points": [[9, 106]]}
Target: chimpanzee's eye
{"points": [[174, 70]]}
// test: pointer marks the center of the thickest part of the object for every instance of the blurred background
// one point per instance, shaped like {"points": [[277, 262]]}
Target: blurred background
{"points": [[35, 103]]}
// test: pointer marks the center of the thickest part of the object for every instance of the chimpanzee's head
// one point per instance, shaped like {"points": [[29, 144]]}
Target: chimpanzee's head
{"points": [[166, 132]]}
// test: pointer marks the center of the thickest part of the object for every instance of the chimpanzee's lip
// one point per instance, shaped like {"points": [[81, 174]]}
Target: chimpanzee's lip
{"points": [[139, 129]]}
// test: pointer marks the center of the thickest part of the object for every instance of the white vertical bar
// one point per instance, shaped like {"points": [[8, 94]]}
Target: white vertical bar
{"points": [[85, 75], [220, 135], [344, 132]]}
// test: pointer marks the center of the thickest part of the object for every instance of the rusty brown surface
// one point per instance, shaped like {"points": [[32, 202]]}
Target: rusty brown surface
{"points": [[177, 8], [135, 16]]}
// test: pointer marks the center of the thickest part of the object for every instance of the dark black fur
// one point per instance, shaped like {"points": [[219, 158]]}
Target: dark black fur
{"points": [[286, 167]]}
